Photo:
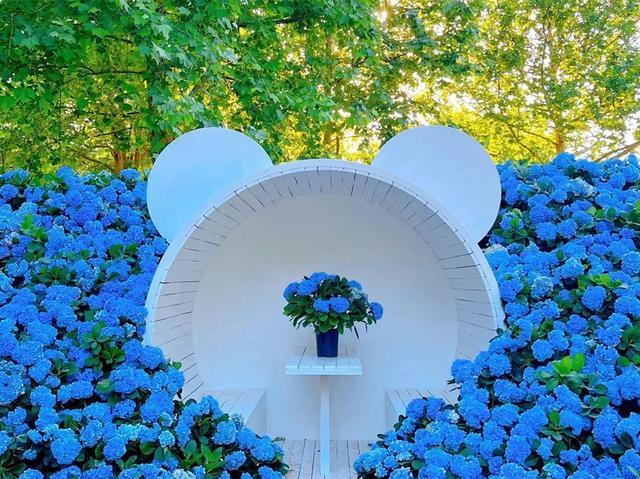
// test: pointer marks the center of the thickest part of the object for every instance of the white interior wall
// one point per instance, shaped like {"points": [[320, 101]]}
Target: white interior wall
{"points": [[242, 339]]}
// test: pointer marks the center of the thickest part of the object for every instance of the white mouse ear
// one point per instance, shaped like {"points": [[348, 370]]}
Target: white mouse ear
{"points": [[193, 168], [450, 166]]}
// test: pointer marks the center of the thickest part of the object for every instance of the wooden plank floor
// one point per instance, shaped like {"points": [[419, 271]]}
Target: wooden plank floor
{"points": [[303, 457]]}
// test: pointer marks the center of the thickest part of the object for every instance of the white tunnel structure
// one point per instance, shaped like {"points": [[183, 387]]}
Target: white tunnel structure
{"points": [[216, 300]]}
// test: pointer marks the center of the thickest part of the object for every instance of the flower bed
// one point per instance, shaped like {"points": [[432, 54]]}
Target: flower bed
{"points": [[80, 396], [556, 395]]}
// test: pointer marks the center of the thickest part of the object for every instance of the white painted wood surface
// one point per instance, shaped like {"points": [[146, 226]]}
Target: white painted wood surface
{"points": [[305, 362], [249, 403], [303, 457], [176, 287], [397, 400]]}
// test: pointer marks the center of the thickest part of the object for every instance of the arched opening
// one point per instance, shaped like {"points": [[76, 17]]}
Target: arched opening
{"points": [[216, 301]]}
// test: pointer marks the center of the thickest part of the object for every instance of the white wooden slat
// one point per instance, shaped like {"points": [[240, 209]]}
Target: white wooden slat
{"points": [[172, 299], [187, 266], [287, 448], [430, 224], [402, 203], [359, 185], [411, 209], [190, 372], [248, 402], [370, 188], [477, 337], [316, 474], [295, 459], [314, 180], [470, 295], [459, 261], [308, 455], [194, 390], [422, 214], [339, 459], [178, 343], [231, 213], [220, 231], [180, 275], [304, 178], [193, 255], [167, 288], [305, 362], [200, 245], [324, 179], [281, 186], [189, 263], [408, 395], [474, 307], [239, 208], [381, 193], [440, 231], [393, 195], [173, 310], [219, 221], [452, 251], [260, 195], [271, 188], [353, 452], [470, 350], [396, 402], [252, 201], [175, 324], [476, 318], [176, 350], [462, 353], [171, 321], [164, 335], [462, 272], [451, 238], [295, 185], [342, 181]]}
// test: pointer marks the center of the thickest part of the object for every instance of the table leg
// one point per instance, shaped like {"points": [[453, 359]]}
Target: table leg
{"points": [[324, 425]]}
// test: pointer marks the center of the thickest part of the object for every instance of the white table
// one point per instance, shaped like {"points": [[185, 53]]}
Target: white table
{"points": [[305, 363]]}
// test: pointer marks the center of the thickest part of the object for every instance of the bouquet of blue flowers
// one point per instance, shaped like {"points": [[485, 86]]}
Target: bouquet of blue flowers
{"points": [[329, 302]]}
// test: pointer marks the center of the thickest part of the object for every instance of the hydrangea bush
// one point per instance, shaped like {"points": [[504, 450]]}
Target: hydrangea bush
{"points": [[556, 394], [80, 396]]}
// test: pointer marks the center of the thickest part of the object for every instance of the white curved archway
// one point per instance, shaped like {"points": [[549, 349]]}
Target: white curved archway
{"points": [[215, 303]]}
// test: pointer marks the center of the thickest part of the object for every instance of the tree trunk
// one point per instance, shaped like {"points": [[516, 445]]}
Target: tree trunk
{"points": [[559, 141], [119, 161]]}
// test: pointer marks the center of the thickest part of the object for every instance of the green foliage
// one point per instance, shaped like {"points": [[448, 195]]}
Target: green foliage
{"points": [[103, 84], [106, 84], [550, 76], [301, 310]]}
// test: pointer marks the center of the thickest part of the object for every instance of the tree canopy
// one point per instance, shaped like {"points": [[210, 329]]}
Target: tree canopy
{"points": [[107, 84]]}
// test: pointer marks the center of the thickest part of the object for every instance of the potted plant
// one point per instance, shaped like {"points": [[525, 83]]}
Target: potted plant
{"points": [[330, 304]]}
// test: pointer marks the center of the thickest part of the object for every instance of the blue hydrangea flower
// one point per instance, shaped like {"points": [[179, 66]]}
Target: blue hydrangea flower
{"points": [[321, 305], [339, 305], [376, 310]]}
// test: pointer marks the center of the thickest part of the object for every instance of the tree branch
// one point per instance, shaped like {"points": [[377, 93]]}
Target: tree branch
{"points": [[620, 151]]}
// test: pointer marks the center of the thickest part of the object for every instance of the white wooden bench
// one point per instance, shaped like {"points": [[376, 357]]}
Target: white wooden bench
{"points": [[397, 401], [251, 404]]}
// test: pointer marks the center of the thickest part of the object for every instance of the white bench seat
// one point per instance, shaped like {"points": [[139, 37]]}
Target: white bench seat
{"points": [[251, 404], [398, 399]]}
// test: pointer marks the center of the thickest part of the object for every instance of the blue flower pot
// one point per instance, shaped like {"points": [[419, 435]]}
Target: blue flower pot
{"points": [[327, 344]]}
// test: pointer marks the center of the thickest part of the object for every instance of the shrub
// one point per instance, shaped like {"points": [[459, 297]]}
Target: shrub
{"points": [[556, 394], [80, 395]]}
